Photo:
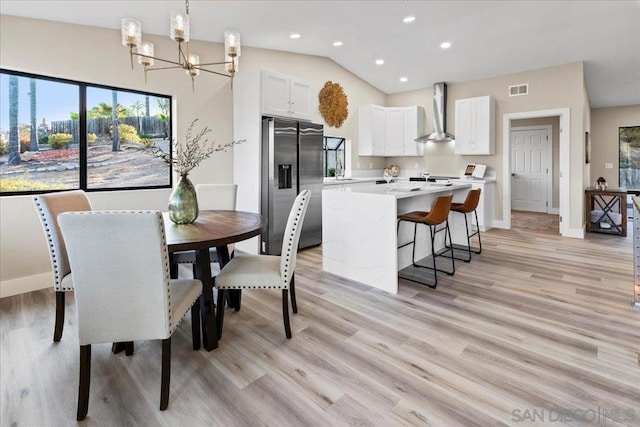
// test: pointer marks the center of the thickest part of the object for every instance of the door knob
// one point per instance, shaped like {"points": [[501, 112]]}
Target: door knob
{"points": [[513, 174]]}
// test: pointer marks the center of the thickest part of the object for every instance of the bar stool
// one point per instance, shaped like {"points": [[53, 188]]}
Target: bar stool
{"points": [[470, 205], [438, 215]]}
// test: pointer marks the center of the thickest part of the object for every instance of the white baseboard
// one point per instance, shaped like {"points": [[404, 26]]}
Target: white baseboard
{"points": [[553, 211], [576, 233], [498, 224], [22, 285]]}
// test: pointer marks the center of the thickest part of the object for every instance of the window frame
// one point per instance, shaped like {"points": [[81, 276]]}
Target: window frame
{"points": [[620, 131], [325, 152], [82, 148]]}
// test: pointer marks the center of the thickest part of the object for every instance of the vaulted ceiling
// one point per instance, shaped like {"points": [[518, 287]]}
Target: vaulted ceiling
{"points": [[488, 38]]}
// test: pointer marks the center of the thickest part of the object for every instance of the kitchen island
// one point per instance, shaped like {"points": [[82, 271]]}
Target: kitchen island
{"points": [[359, 229]]}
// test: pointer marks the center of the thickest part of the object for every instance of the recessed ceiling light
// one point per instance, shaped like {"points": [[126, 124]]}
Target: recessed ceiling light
{"points": [[403, 79], [294, 36], [379, 61], [445, 45], [337, 44], [409, 19]]}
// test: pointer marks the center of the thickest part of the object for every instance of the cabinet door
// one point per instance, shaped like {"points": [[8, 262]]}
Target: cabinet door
{"points": [[394, 134], [483, 125], [301, 99], [413, 128], [464, 127], [475, 126], [379, 130], [275, 94]]}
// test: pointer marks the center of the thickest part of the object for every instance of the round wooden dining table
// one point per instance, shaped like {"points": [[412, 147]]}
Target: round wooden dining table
{"points": [[212, 229]]}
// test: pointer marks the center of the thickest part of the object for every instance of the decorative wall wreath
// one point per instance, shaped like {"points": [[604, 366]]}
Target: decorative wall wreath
{"points": [[333, 104]]}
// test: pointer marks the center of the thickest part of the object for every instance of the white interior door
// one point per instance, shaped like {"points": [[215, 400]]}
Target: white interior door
{"points": [[529, 170]]}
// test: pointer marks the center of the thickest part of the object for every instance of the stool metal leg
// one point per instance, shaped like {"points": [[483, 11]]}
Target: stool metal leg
{"points": [[468, 248], [479, 251]]}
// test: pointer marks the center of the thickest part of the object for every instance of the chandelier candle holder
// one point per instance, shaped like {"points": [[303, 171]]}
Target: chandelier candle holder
{"points": [[188, 61]]}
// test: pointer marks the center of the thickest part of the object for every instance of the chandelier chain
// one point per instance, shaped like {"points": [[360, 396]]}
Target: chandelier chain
{"points": [[186, 4]]}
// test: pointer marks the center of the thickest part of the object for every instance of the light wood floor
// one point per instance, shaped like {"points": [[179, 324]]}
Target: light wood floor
{"points": [[537, 326]]}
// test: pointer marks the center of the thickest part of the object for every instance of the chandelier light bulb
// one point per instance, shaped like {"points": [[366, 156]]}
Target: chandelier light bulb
{"points": [[179, 26], [232, 43], [146, 49], [131, 32]]}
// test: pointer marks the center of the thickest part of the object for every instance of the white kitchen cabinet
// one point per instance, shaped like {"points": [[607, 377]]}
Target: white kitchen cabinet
{"points": [[286, 96], [394, 135], [390, 131], [413, 128], [371, 130], [475, 126]]}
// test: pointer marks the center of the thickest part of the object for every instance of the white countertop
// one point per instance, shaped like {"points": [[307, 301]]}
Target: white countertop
{"points": [[403, 189], [334, 181]]}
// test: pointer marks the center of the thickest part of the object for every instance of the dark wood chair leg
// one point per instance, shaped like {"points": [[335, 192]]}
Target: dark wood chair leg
{"points": [[220, 311], [237, 300], [285, 312], [195, 324], [85, 380], [57, 331], [292, 291], [166, 374], [126, 346]]}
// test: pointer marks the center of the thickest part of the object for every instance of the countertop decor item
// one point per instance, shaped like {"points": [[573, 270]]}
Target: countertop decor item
{"points": [[333, 104], [395, 170], [183, 203]]}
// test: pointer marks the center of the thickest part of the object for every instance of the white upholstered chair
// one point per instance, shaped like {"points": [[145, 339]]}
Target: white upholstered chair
{"points": [[120, 268], [267, 271], [49, 206], [210, 197]]}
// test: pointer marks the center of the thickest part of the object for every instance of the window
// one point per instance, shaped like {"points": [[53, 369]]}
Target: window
{"points": [[333, 152], [59, 135], [630, 157]]}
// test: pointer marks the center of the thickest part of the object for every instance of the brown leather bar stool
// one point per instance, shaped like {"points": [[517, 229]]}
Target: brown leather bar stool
{"points": [[470, 205], [439, 214]]}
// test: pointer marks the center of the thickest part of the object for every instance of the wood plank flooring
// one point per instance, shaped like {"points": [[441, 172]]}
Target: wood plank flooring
{"points": [[539, 329]]}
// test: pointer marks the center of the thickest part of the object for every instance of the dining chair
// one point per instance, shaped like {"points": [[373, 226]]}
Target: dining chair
{"points": [[210, 197], [49, 206], [120, 268], [246, 271], [438, 215]]}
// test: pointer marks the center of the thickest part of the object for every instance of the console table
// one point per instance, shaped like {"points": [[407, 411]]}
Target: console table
{"points": [[606, 210]]}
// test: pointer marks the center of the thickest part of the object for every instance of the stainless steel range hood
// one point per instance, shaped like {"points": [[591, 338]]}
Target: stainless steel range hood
{"points": [[439, 133]]}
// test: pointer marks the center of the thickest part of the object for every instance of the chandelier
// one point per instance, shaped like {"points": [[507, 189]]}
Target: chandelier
{"points": [[188, 61]]}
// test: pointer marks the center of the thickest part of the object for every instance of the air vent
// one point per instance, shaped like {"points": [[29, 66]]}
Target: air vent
{"points": [[518, 90]]}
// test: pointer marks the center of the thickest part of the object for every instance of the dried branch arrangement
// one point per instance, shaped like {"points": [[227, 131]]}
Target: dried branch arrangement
{"points": [[193, 149]]}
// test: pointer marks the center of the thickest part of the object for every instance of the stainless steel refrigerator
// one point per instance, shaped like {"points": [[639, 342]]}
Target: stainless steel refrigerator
{"points": [[291, 162]]}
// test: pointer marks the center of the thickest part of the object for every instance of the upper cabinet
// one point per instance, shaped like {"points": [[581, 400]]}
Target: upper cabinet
{"points": [[475, 126], [286, 96], [390, 131], [371, 130]]}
